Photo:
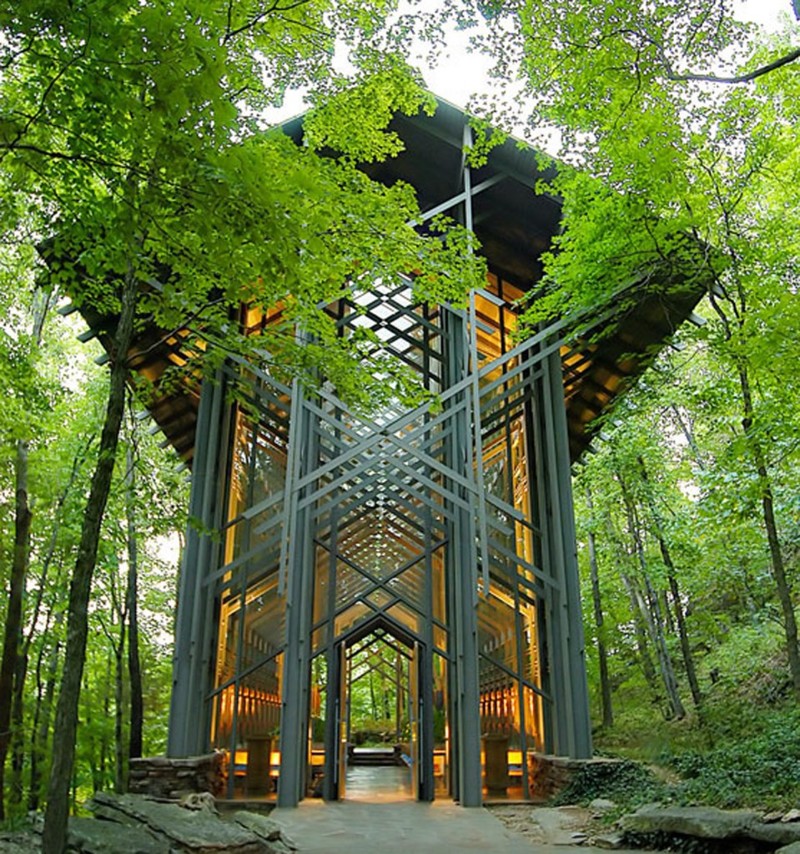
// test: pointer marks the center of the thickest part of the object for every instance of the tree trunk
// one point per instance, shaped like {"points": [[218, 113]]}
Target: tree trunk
{"points": [[40, 306], [102, 776], [640, 629], [17, 729], [686, 649], [642, 635], [119, 712], [134, 664], [652, 613], [777, 567], [667, 611], [372, 700], [782, 584], [666, 556], [55, 822], [13, 628], [688, 434], [38, 741], [602, 655], [664, 659], [40, 729]]}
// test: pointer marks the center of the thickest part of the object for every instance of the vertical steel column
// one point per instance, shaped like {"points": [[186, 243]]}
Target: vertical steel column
{"points": [[330, 782], [553, 542], [462, 581], [549, 607], [244, 577], [462, 563], [426, 739], [294, 713], [579, 726], [188, 719]]}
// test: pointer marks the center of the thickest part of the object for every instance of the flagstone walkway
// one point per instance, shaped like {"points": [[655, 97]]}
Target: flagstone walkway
{"points": [[404, 827]]}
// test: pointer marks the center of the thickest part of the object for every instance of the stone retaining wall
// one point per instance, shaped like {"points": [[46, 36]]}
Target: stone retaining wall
{"points": [[164, 777], [548, 776]]}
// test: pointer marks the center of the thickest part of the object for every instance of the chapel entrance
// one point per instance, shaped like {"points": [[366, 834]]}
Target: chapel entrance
{"points": [[371, 733]]}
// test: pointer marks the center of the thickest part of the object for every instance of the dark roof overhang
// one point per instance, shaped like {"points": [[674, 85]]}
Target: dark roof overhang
{"points": [[515, 225]]}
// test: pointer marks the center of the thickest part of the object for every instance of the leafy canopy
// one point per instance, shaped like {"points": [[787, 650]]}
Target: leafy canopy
{"points": [[136, 127]]}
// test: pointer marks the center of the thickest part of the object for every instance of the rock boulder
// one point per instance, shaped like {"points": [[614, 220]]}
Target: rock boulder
{"points": [[189, 830], [708, 823], [89, 836]]}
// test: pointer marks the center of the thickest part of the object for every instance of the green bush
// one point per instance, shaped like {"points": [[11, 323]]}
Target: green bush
{"points": [[760, 767], [627, 783]]}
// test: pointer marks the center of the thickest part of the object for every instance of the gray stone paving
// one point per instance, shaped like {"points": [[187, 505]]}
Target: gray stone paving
{"points": [[358, 827], [379, 816]]}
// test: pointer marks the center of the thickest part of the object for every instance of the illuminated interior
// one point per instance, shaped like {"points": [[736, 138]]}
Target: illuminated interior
{"points": [[380, 554]]}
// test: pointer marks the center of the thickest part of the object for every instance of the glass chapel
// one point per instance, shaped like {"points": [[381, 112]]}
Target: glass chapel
{"points": [[418, 564]]}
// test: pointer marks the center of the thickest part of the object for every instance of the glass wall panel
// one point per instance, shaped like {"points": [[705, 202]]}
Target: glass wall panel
{"points": [[316, 731], [497, 626], [534, 732], [246, 724], [257, 471], [499, 701], [531, 668], [442, 760]]}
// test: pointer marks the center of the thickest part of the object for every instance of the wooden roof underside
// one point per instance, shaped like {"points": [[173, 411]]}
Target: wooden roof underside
{"points": [[515, 226]]}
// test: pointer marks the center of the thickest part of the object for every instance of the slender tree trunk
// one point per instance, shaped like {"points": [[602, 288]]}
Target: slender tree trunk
{"points": [[134, 664], [777, 566], [119, 712], [680, 616], [688, 434], [782, 583], [9, 666], [36, 752], [652, 613], [17, 729], [667, 611], [40, 735], [372, 700], [640, 629], [55, 822], [642, 635], [41, 303], [102, 765], [602, 655], [686, 649], [664, 658]]}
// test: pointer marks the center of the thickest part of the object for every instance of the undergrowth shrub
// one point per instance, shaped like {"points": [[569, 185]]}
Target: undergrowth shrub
{"points": [[758, 765], [627, 783]]}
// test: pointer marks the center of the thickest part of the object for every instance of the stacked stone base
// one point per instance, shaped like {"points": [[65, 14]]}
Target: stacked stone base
{"points": [[163, 777], [549, 776]]}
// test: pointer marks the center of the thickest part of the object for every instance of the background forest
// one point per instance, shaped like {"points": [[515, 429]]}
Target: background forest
{"points": [[138, 127]]}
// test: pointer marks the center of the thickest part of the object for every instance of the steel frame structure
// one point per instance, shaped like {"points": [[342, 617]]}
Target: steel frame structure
{"points": [[451, 530], [366, 509]]}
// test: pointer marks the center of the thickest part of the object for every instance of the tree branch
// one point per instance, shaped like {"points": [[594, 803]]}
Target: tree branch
{"points": [[739, 78]]}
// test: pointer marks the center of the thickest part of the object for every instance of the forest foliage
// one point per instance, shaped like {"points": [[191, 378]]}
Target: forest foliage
{"points": [[131, 144]]}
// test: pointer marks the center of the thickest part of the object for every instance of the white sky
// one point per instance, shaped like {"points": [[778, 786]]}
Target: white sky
{"points": [[464, 74], [460, 74]]}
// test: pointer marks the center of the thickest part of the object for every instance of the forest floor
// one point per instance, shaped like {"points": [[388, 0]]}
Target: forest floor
{"points": [[566, 825], [20, 842]]}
